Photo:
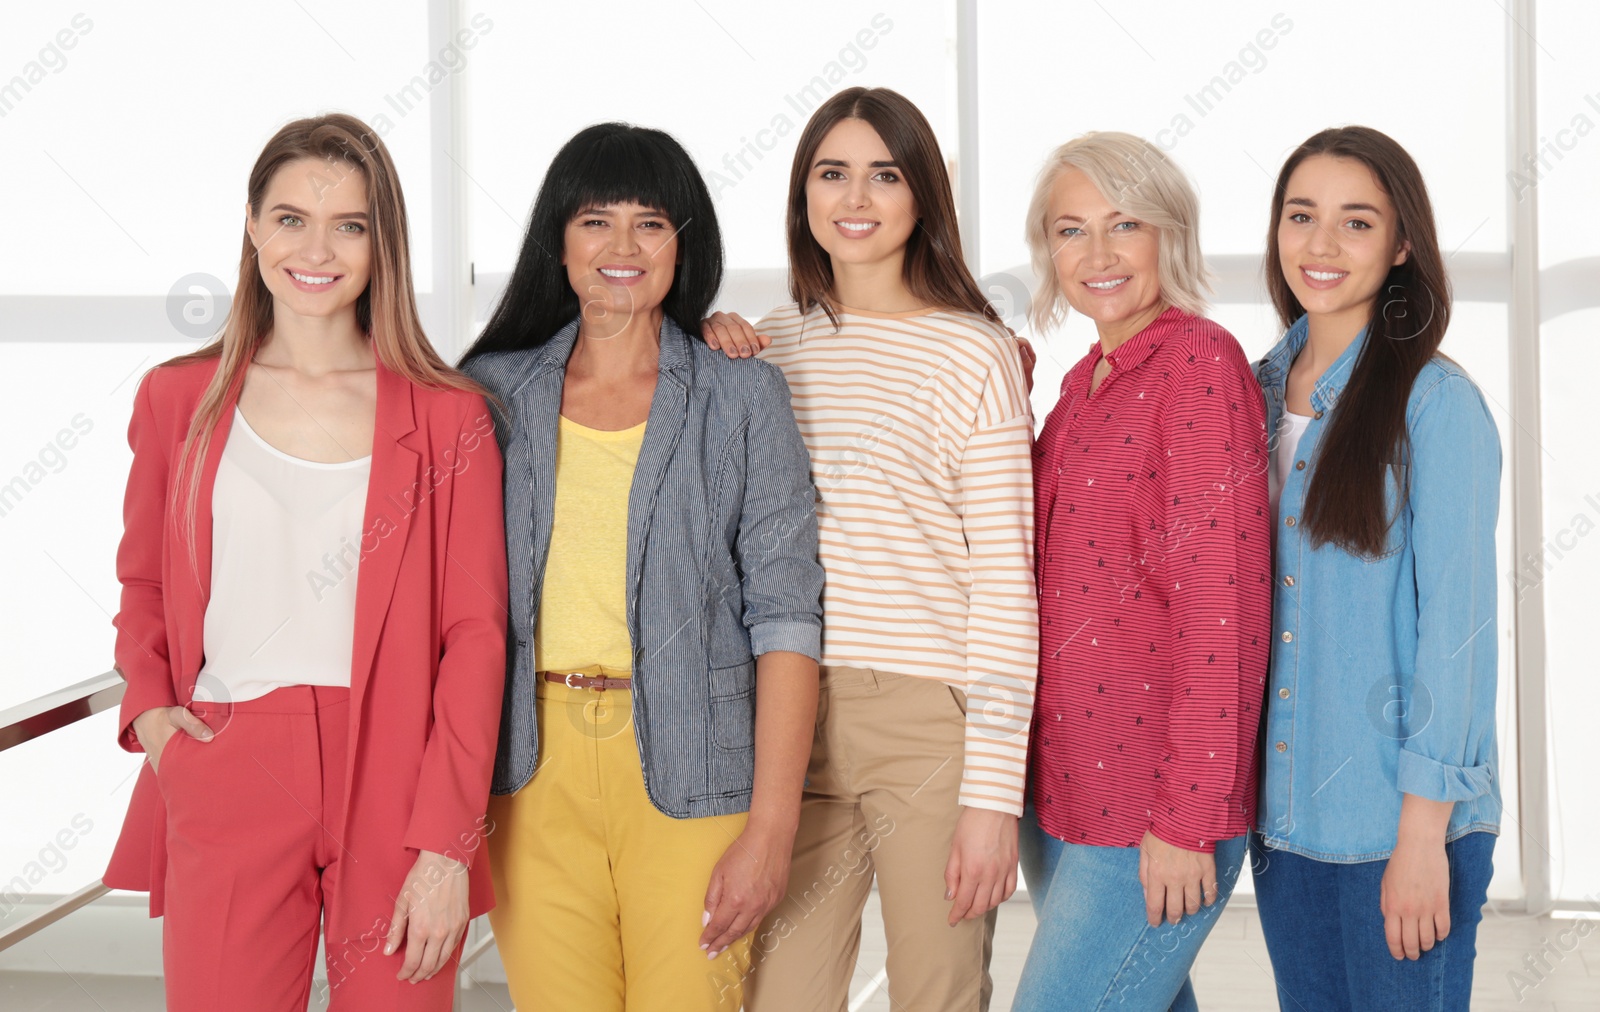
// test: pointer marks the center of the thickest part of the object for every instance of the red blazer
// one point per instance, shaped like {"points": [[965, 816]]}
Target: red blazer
{"points": [[428, 664]]}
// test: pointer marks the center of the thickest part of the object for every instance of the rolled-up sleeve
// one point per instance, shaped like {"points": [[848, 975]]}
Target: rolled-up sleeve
{"points": [[1447, 754], [777, 538]]}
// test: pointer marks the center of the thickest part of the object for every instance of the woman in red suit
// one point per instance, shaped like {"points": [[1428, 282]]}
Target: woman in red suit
{"points": [[312, 625]]}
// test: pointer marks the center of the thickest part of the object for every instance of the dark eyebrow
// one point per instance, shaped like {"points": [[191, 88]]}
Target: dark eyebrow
{"points": [[891, 164], [597, 211], [305, 214], [1308, 202]]}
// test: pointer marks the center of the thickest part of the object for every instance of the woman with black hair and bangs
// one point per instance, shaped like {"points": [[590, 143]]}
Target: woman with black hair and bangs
{"points": [[662, 542]]}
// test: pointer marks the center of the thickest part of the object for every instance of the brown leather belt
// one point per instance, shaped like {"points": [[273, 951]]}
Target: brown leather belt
{"points": [[574, 680]]}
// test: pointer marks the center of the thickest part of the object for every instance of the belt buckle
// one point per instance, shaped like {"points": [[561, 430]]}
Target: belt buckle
{"points": [[569, 677]]}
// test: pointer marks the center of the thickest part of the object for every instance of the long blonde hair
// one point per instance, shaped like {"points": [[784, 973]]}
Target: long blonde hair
{"points": [[386, 311]]}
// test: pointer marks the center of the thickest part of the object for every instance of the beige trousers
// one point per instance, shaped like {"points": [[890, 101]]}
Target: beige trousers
{"points": [[881, 801]]}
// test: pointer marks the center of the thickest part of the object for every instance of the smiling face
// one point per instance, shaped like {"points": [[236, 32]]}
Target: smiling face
{"points": [[1337, 236], [620, 259], [312, 239], [1107, 262], [858, 204]]}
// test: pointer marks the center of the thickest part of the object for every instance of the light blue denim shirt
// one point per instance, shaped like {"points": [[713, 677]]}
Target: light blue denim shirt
{"points": [[1383, 673]]}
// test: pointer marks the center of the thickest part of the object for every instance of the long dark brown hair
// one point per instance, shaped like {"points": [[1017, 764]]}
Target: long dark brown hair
{"points": [[934, 269], [1345, 498]]}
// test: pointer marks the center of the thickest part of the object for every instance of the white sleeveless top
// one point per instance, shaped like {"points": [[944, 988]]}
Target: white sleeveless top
{"points": [[285, 547]]}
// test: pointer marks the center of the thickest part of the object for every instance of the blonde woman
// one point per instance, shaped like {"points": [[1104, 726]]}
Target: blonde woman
{"points": [[312, 626], [1150, 499]]}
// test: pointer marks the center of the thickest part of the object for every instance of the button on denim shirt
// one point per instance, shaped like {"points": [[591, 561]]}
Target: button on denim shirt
{"points": [[1383, 670], [721, 559]]}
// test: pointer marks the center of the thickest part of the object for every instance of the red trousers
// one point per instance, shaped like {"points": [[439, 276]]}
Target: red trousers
{"points": [[255, 819]]}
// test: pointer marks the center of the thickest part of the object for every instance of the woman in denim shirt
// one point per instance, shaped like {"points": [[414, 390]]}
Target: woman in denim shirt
{"points": [[663, 574], [1379, 795]]}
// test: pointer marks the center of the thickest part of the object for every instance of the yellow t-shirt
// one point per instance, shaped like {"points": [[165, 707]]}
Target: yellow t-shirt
{"points": [[583, 618]]}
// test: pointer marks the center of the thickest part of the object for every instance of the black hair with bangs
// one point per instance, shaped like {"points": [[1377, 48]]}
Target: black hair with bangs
{"points": [[605, 164]]}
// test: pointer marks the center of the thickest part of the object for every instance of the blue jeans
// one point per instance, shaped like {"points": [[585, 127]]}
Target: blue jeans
{"points": [[1324, 931], [1093, 948]]}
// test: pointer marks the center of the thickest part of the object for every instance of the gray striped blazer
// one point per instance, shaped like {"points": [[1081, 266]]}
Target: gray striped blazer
{"points": [[722, 559]]}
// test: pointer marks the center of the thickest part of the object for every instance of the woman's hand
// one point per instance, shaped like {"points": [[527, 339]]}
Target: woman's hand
{"points": [[1415, 899], [982, 871], [1415, 895], [1030, 358], [154, 727], [1176, 881], [733, 334], [745, 885], [430, 916]]}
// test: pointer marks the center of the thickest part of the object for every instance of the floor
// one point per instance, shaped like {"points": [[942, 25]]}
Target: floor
{"points": [[1232, 974]]}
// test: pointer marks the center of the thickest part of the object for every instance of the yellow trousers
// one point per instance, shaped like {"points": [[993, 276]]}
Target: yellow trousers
{"points": [[599, 897]]}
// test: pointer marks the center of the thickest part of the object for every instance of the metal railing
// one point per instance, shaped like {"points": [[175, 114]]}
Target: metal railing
{"points": [[35, 719], [64, 707], [55, 710]]}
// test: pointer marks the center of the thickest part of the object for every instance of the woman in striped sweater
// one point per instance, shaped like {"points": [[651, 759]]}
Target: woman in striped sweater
{"points": [[912, 401]]}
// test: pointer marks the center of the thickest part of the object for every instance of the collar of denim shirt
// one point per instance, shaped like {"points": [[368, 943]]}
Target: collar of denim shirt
{"points": [[1274, 367]]}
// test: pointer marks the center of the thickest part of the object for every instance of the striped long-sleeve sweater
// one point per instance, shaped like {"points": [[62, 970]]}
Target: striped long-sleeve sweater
{"points": [[919, 431]]}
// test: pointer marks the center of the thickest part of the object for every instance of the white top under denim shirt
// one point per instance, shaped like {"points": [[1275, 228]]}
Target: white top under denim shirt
{"points": [[1383, 670], [1285, 442]]}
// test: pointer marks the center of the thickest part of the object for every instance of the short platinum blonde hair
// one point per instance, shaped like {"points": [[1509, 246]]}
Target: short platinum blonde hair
{"points": [[1138, 179]]}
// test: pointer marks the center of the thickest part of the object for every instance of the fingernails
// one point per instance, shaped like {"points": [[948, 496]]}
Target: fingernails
{"points": [[705, 918], [704, 946], [949, 894]]}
